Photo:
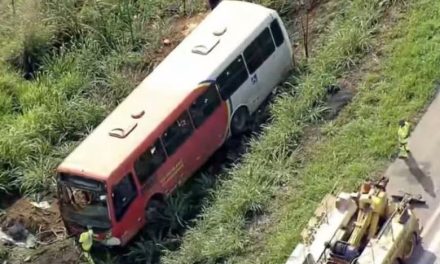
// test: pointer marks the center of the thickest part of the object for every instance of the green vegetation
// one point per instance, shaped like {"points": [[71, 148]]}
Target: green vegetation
{"points": [[221, 233], [363, 140], [64, 65]]}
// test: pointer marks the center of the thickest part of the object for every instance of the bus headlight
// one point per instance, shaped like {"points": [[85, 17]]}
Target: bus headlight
{"points": [[112, 241]]}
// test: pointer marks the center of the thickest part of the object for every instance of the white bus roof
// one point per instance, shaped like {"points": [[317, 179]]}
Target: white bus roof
{"points": [[168, 85], [239, 20]]}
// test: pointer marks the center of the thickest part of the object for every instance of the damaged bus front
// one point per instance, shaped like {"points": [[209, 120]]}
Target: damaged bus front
{"points": [[84, 204]]}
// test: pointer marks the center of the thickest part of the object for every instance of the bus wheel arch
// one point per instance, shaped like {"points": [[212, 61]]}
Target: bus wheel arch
{"points": [[155, 207], [240, 120]]}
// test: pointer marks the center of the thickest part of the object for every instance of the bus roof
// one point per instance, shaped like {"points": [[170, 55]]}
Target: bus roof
{"points": [[173, 80], [237, 19]]}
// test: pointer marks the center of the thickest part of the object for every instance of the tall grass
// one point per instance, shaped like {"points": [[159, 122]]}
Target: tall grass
{"points": [[221, 231], [81, 58], [363, 141]]}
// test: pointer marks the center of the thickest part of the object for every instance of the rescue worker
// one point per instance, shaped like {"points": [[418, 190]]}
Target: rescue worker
{"points": [[403, 134], [86, 240]]}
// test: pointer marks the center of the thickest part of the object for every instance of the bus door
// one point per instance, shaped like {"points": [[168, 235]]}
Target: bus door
{"points": [[127, 208], [263, 66], [148, 167]]}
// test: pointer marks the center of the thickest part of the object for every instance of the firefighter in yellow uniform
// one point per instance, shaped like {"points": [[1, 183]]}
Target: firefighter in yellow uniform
{"points": [[403, 134], [86, 240]]}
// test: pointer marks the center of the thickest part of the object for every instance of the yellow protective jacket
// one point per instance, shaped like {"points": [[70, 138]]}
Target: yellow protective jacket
{"points": [[86, 240], [404, 133]]}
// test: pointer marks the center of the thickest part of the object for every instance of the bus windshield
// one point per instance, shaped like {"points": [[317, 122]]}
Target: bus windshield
{"points": [[83, 202]]}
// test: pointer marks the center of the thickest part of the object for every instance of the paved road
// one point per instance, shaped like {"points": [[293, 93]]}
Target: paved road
{"points": [[421, 175]]}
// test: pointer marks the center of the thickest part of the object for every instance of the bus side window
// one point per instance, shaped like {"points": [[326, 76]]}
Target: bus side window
{"points": [[177, 133], [276, 32], [149, 162], [123, 194], [204, 106], [232, 78], [259, 50]]}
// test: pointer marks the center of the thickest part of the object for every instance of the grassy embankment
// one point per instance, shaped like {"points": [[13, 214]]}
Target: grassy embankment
{"points": [[63, 66], [221, 232], [363, 141]]}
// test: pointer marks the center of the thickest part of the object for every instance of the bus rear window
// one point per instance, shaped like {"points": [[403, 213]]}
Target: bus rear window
{"points": [[276, 32]]}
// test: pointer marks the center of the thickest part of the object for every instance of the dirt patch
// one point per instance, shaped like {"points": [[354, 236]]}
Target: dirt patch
{"points": [[337, 100], [182, 27], [45, 224], [61, 252]]}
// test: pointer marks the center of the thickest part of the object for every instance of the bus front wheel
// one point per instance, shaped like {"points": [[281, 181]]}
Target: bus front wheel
{"points": [[239, 122]]}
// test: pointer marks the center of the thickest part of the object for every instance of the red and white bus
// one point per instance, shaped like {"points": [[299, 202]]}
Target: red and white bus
{"points": [[180, 114]]}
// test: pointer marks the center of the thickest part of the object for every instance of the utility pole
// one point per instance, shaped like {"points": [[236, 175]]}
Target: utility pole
{"points": [[13, 6], [305, 26]]}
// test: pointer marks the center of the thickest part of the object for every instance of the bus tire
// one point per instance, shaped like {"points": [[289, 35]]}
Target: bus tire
{"points": [[240, 120]]}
